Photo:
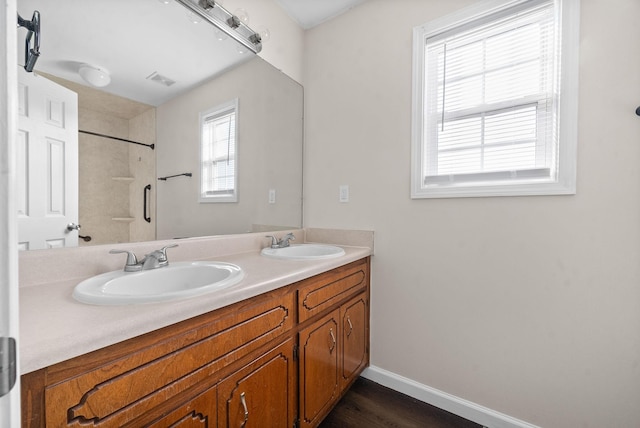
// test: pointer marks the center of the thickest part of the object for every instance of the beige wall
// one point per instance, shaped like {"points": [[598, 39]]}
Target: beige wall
{"points": [[529, 306], [285, 48], [269, 154]]}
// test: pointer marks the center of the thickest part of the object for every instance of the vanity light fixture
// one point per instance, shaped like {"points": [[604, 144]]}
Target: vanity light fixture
{"points": [[95, 76], [242, 15], [207, 4], [264, 33], [228, 23]]}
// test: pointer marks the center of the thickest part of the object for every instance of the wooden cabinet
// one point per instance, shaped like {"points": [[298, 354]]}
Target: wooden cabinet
{"points": [[334, 348], [272, 360], [319, 371], [320, 293], [261, 394], [333, 351], [143, 379], [198, 412], [354, 317]]}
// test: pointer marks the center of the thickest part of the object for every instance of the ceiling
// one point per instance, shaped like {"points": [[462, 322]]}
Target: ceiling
{"points": [[309, 13], [131, 40]]}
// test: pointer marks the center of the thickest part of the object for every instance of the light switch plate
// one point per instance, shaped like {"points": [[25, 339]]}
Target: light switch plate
{"points": [[344, 193]]}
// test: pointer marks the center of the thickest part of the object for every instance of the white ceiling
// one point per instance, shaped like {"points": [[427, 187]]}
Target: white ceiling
{"points": [[309, 13], [133, 39]]}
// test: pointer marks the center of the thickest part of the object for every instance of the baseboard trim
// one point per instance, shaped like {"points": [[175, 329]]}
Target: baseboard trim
{"points": [[458, 406]]}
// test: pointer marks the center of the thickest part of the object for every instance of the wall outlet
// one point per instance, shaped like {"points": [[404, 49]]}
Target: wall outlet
{"points": [[344, 193], [272, 196]]}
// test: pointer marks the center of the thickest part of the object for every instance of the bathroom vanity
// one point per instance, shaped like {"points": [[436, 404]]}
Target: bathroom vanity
{"points": [[282, 357]]}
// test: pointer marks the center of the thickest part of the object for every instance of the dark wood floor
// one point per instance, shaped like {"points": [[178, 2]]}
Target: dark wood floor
{"points": [[370, 405]]}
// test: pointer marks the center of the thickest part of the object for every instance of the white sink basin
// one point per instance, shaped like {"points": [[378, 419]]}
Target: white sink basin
{"points": [[175, 281], [304, 252]]}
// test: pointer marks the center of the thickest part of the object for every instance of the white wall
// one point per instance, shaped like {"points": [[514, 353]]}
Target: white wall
{"points": [[529, 306]]}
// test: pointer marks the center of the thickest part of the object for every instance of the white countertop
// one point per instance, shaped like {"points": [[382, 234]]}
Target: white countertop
{"points": [[54, 327]]}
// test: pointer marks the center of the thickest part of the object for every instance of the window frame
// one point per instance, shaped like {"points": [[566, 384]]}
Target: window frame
{"points": [[565, 180], [219, 110]]}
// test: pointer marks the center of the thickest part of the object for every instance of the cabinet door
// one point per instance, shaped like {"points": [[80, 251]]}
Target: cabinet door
{"points": [[318, 365], [197, 413], [354, 338], [130, 385], [261, 394]]}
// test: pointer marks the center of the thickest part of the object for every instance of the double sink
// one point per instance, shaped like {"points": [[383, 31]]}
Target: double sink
{"points": [[180, 280]]}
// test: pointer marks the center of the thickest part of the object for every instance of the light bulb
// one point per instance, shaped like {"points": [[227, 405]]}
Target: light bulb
{"points": [[242, 15], [264, 33]]}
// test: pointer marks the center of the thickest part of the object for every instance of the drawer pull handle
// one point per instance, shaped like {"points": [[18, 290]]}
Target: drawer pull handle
{"points": [[243, 400], [350, 327], [333, 341]]}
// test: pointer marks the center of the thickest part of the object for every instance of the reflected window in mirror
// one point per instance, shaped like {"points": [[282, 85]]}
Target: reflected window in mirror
{"points": [[218, 148]]}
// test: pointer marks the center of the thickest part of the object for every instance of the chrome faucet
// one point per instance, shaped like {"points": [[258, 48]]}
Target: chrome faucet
{"points": [[153, 260], [156, 259], [282, 243]]}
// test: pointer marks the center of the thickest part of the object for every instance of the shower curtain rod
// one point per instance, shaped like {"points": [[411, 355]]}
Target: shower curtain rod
{"points": [[151, 146]]}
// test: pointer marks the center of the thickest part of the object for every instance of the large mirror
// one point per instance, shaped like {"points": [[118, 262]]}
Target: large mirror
{"points": [[120, 196]]}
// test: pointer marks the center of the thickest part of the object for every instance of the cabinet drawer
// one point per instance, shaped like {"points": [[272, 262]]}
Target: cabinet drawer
{"points": [[197, 412], [323, 291], [121, 390]]}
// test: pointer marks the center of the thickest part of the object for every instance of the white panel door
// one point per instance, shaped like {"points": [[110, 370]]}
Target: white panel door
{"points": [[47, 163]]}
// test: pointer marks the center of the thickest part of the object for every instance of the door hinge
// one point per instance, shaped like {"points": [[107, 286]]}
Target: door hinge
{"points": [[295, 352], [296, 423], [7, 364]]}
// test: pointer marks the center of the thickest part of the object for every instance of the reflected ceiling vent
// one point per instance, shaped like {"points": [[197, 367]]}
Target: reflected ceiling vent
{"points": [[159, 78]]}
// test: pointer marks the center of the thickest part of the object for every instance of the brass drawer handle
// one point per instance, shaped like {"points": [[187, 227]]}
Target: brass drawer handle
{"points": [[333, 341], [350, 327], [243, 400]]}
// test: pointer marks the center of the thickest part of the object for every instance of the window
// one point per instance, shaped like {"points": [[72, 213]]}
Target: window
{"points": [[218, 161], [495, 100]]}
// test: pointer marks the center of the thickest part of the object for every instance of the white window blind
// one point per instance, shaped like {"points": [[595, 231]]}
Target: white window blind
{"points": [[218, 155], [490, 99]]}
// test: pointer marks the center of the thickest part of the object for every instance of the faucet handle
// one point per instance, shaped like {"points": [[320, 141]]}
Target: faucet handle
{"points": [[284, 242], [274, 241], [132, 260], [163, 250]]}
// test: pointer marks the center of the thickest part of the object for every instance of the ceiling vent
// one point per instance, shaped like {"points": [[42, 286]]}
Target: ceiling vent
{"points": [[159, 78]]}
